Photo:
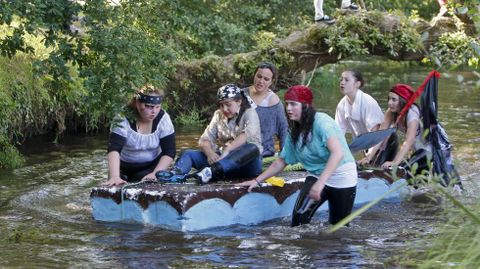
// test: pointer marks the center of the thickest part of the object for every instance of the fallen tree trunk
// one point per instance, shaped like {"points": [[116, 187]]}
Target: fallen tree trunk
{"points": [[361, 33]]}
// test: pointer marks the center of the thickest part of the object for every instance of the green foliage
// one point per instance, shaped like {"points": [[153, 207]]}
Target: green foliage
{"points": [[357, 35], [9, 155], [30, 101], [89, 56], [267, 161], [225, 27], [191, 118], [22, 103], [425, 9], [124, 49], [455, 49]]}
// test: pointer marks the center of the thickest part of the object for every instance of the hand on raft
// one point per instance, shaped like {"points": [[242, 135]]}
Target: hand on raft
{"points": [[149, 177], [388, 165], [114, 181], [249, 183]]}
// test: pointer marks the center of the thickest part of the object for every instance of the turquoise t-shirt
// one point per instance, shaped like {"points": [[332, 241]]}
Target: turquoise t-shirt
{"points": [[314, 155]]}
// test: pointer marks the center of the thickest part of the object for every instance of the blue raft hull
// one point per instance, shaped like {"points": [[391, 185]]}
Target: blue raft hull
{"points": [[189, 207]]}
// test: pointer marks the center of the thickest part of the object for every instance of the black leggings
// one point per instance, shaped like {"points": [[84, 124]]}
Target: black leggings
{"points": [[340, 203]]}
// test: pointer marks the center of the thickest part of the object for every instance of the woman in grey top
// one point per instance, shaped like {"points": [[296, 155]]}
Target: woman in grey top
{"points": [[270, 110]]}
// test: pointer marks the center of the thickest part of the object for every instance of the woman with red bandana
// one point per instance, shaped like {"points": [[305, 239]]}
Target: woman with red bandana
{"points": [[141, 143], [316, 141], [409, 124]]}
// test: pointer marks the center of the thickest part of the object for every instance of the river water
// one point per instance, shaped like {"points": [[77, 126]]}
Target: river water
{"points": [[45, 219]]}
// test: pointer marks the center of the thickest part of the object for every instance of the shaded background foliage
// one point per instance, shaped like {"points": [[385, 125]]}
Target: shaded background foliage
{"points": [[68, 66]]}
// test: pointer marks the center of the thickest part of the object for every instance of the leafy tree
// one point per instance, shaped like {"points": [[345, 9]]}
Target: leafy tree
{"points": [[94, 53]]}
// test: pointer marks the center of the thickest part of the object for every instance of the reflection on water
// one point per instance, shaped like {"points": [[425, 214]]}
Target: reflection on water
{"points": [[45, 213]]}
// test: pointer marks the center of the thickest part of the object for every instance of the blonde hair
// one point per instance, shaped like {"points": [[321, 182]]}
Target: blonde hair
{"points": [[147, 89]]}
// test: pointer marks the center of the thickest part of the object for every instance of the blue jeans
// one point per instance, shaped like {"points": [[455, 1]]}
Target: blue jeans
{"points": [[231, 166]]}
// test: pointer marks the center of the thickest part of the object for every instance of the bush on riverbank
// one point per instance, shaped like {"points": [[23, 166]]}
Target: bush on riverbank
{"points": [[30, 105], [23, 106]]}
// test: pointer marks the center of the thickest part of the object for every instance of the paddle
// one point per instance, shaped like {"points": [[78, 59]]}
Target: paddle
{"points": [[368, 140]]}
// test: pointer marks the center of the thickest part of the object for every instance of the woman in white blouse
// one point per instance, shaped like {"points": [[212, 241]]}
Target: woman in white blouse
{"points": [[141, 143], [358, 112]]}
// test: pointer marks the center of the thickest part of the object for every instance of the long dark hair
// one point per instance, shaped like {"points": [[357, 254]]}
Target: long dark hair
{"points": [[243, 106], [302, 129], [402, 103], [272, 68]]}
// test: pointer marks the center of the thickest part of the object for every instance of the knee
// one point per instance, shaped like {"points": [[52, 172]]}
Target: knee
{"points": [[252, 148], [187, 154]]}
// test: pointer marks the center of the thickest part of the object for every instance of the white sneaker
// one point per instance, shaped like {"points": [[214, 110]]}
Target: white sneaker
{"points": [[352, 7], [205, 175]]}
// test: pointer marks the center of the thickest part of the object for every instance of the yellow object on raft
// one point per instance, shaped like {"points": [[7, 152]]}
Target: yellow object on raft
{"points": [[276, 181]]}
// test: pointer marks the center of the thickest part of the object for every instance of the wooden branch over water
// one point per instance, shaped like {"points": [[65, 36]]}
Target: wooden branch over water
{"points": [[302, 51]]}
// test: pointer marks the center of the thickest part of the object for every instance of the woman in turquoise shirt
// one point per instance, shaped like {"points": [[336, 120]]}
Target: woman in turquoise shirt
{"points": [[316, 141]]}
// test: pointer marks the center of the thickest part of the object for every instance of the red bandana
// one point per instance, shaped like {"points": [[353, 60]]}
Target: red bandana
{"points": [[299, 93], [403, 90]]}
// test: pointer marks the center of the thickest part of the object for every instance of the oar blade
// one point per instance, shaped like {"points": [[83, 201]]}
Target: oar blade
{"points": [[368, 140]]}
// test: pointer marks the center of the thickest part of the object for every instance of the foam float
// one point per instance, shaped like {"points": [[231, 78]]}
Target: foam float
{"points": [[191, 207]]}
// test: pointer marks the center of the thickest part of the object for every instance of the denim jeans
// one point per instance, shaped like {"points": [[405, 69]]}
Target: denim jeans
{"points": [[231, 167]]}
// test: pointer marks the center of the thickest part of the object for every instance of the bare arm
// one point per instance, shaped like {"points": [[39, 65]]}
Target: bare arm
{"points": [[407, 145], [206, 147], [336, 156], [276, 167], [387, 121], [375, 128], [114, 170], [163, 164], [206, 143]]}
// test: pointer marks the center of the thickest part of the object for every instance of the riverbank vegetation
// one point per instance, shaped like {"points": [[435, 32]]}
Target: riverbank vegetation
{"points": [[69, 66], [453, 244]]}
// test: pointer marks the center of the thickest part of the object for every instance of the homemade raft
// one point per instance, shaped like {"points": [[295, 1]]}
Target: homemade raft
{"points": [[191, 207]]}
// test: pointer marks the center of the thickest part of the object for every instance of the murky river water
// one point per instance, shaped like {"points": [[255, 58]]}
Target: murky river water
{"points": [[45, 216]]}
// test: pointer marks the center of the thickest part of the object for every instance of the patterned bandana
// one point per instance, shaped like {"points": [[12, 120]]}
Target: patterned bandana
{"points": [[299, 93], [403, 90], [228, 91], [149, 99]]}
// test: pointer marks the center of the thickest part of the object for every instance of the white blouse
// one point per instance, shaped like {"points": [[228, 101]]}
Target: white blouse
{"points": [[142, 147]]}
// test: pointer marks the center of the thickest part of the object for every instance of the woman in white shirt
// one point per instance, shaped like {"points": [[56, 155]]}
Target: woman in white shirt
{"points": [[358, 112]]}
